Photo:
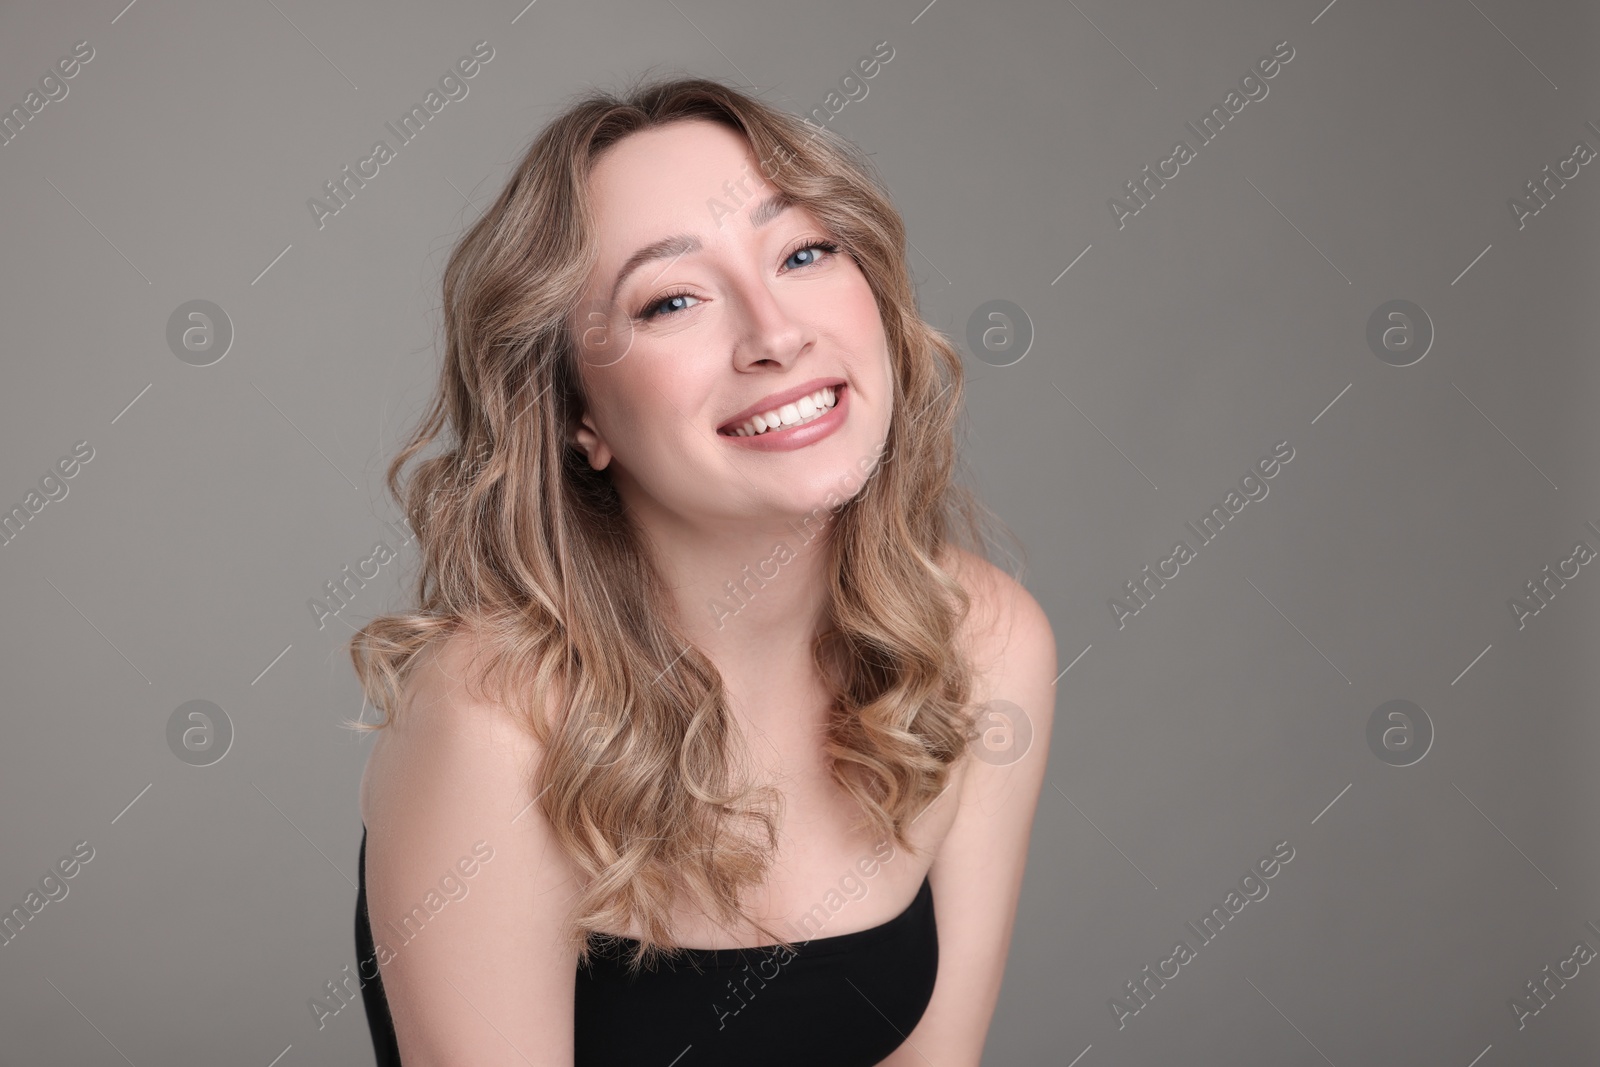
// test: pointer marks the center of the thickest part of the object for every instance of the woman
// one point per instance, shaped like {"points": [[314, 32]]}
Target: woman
{"points": [[688, 711]]}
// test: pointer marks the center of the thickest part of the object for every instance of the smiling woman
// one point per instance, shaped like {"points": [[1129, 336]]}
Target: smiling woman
{"points": [[638, 398]]}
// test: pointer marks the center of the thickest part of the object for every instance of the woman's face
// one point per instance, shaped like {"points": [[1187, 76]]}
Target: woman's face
{"points": [[737, 308]]}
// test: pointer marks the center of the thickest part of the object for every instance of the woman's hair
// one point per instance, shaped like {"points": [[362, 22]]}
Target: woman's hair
{"points": [[525, 548]]}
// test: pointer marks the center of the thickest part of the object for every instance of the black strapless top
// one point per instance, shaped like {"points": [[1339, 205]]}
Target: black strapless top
{"points": [[845, 1001]]}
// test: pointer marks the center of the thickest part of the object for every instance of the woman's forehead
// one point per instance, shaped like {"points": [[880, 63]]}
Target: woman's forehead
{"points": [[692, 157]]}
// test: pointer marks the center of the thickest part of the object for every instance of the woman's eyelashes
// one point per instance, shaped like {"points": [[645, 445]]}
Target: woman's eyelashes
{"points": [[826, 246], [654, 309]]}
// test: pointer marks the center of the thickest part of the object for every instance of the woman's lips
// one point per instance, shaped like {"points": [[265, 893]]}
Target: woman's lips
{"points": [[779, 400], [792, 437]]}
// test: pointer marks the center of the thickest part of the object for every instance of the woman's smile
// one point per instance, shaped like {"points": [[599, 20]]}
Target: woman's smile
{"points": [[778, 417]]}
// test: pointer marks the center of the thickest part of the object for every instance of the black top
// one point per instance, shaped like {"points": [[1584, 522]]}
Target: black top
{"points": [[845, 1001]]}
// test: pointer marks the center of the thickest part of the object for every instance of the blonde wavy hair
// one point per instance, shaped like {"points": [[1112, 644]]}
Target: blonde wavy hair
{"points": [[529, 549]]}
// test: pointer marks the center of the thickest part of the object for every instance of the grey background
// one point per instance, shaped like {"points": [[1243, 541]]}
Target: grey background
{"points": [[1228, 315]]}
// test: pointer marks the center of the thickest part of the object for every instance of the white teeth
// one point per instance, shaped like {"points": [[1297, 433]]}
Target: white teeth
{"points": [[800, 411]]}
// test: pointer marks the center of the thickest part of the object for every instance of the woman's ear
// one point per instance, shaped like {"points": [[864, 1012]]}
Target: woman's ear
{"points": [[587, 438]]}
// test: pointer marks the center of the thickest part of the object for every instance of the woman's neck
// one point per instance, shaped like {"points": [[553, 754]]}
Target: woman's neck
{"points": [[753, 599]]}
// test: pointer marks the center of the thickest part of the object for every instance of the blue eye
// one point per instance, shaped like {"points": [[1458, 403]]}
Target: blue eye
{"points": [[654, 310], [810, 250]]}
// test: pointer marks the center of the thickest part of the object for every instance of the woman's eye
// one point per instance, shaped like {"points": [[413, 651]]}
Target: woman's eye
{"points": [[669, 304], [810, 253]]}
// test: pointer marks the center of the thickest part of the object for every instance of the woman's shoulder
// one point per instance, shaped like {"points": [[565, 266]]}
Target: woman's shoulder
{"points": [[448, 807], [450, 727], [1011, 650], [1003, 618]]}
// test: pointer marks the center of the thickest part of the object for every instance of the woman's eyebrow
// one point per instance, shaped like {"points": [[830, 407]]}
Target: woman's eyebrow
{"points": [[680, 244], [674, 246], [769, 209]]}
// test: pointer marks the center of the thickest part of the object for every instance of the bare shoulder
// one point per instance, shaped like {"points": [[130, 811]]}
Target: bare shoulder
{"points": [[476, 968], [977, 874], [1006, 633], [444, 712], [1011, 648]]}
